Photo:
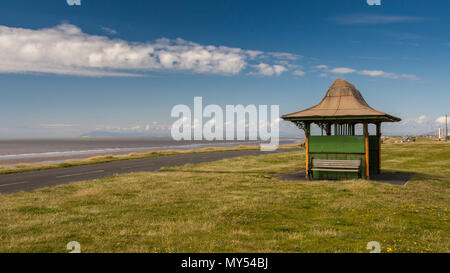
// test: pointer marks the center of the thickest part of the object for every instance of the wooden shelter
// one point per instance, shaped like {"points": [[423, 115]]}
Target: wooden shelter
{"points": [[341, 109]]}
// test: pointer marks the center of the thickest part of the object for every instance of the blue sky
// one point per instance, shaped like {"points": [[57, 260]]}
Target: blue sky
{"points": [[116, 65]]}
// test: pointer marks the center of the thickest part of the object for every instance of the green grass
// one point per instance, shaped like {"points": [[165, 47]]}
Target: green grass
{"points": [[239, 205]]}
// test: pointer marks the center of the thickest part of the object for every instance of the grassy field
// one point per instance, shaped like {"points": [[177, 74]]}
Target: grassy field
{"points": [[239, 205]]}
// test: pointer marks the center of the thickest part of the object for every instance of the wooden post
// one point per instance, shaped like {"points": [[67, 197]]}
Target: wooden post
{"points": [[366, 142], [335, 129], [328, 129], [379, 145], [307, 133]]}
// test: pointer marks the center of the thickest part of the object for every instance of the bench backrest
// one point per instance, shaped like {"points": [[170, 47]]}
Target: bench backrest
{"points": [[344, 164]]}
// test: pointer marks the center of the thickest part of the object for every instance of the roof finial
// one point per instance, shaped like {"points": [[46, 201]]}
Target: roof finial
{"points": [[342, 83]]}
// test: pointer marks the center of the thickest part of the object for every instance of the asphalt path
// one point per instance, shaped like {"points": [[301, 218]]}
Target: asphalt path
{"points": [[26, 181]]}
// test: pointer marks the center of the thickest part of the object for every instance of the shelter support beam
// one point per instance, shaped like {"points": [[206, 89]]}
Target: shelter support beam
{"points": [[379, 146], [307, 134], [366, 145]]}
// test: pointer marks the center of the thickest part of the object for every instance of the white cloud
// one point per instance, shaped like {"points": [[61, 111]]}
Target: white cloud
{"points": [[285, 56], [65, 49], [322, 66], [371, 73], [288, 64], [422, 119], [55, 125], [380, 73], [362, 18], [278, 69], [109, 30], [410, 126], [298, 73], [156, 126], [440, 120], [406, 76], [254, 53], [269, 70], [342, 70]]}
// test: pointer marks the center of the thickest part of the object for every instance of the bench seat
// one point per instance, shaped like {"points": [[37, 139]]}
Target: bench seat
{"points": [[327, 165], [336, 170]]}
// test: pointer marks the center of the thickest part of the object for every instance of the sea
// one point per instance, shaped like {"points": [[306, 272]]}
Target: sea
{"points": [[51, 150]]}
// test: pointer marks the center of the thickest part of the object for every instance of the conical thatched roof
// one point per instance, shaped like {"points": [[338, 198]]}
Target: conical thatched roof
{"points": [[342, 101]]}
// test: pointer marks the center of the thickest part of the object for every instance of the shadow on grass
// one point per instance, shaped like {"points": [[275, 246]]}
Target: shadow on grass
{"points": [[394, 178]]}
